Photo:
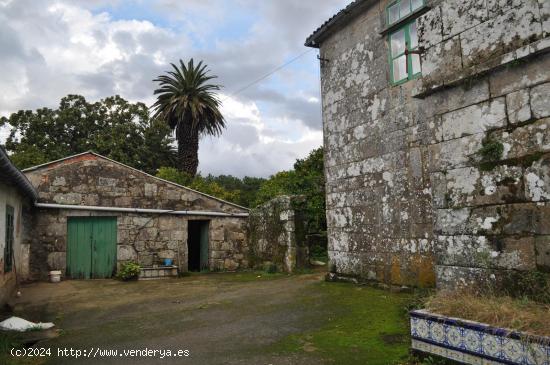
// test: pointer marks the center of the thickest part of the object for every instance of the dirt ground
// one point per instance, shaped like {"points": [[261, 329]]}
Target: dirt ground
{"points": [[231, 318]]}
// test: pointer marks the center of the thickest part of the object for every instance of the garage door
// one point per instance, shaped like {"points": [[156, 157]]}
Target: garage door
{"points": [[91, 247]]}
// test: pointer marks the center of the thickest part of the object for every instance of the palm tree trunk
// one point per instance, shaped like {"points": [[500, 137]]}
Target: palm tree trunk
{"points": [[188, 150]]}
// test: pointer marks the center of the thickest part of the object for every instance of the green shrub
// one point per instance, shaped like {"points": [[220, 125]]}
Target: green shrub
{"points": [[129, 271]]}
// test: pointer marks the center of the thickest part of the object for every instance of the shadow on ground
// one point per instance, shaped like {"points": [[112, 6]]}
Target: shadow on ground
{"points": [[230, 318]]}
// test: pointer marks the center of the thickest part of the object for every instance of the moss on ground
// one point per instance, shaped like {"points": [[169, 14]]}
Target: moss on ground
{"points": [[248, 276], [366, 326]]}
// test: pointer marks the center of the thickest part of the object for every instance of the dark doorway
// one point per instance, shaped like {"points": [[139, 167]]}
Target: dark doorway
{"points": [[197, 245]]}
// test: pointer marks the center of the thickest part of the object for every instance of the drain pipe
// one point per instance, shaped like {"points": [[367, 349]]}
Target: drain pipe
{"points": [[140, 210]]}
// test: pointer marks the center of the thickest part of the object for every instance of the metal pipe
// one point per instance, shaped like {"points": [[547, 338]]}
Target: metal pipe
{"points": [[140, 210]]}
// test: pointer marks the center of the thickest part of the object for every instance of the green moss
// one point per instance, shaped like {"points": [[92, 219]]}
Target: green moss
{"points": [[248, 276], [491, 153], [265, 223], [523, 161], [364, 326]]}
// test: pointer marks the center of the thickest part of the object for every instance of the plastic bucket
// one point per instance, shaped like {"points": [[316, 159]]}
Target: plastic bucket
{"points": [[55, 276]]}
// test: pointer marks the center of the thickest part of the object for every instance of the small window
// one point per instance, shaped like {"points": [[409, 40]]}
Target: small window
{"points": [[401, 8], [403, 64], [8, 249]]}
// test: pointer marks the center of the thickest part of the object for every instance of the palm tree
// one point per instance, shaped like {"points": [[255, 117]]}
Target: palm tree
{"points": [[189, 105]]}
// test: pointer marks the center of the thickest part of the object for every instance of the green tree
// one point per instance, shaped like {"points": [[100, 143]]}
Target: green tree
{"points": [[188, 104], [248, 187], [310, 181], [199, 183], [112, 127], [307, 178]]}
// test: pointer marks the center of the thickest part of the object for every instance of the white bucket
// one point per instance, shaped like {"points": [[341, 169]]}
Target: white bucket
{"points": [[55, 276]]}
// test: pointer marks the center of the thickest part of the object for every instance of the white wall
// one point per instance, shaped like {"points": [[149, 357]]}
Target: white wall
{"points": [[11, 196]]}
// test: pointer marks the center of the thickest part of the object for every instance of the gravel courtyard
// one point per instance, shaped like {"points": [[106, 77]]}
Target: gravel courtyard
{"points": [[231, 318]]}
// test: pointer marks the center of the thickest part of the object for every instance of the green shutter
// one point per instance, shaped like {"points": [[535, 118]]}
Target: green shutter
{"points": [[91, 247]]}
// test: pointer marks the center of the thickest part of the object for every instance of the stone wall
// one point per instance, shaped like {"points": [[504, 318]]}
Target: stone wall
{"points": [[92, 180], [410, 194], [23, 228], [142, 238], [276, 234]]}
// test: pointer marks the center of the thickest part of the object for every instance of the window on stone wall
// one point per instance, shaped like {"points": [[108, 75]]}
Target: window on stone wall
{"points": [[403, 42], [8, 249], [400, 9]]}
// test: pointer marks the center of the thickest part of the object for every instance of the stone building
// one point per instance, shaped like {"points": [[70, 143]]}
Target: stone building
{"points": [[16, 203], [93, 213], [437, 139]]}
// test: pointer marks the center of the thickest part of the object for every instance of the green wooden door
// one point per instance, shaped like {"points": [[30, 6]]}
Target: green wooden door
{"points": [[91, 247], [204, 245]]}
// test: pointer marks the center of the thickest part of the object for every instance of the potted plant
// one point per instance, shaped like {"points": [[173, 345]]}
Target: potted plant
{"points": [[129, 271]]}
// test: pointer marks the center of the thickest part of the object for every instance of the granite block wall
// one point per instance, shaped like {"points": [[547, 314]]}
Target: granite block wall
{"points": [[414, 194], [276, 234]]}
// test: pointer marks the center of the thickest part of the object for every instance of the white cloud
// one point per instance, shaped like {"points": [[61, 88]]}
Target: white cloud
{"points": [[49, 49]]}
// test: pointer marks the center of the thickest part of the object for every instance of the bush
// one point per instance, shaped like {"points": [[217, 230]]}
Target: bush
{"points": [[129, 271]]}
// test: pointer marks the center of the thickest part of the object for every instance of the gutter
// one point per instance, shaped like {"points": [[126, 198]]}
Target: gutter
{"points": [[141, 210]]}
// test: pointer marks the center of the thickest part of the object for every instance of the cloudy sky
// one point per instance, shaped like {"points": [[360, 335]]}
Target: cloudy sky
{"points": [[98, 48]]}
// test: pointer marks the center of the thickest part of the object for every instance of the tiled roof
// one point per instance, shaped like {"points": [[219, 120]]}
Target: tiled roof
{"points": [[11, 174], [350, 10]]}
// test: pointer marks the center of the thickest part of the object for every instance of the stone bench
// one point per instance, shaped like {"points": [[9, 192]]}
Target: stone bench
{"points": [[160, 272]]}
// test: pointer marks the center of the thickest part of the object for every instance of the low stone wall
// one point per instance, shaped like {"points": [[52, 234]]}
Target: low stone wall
{"points": [[276, 234]]}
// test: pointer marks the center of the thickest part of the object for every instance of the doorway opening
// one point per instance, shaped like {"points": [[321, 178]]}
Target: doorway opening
{"points": [[197, 245]]}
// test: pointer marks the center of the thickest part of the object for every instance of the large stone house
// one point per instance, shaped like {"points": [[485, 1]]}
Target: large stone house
{"points": [[437, 139], [93, 213], [16, 202]]}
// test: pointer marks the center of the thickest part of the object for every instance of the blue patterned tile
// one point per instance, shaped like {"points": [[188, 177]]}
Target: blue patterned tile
{"points": [[472, 340], [437, 332], [513, 350], [423, 329], [492, 346], [537, 354], [454, 336], [475, 343]]}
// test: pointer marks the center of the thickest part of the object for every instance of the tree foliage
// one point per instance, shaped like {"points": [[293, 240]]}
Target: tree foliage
{"points": [[307, 179], [187, 102], [112, 127], [211, 185]]}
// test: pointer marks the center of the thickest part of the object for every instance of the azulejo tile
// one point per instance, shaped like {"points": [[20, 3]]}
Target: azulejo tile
{"points": [[423, 328], [537, 354], [437, 332], [513, 350], [414, 324], [492, 346], [477, 344], [454, 336], [472, 340]]}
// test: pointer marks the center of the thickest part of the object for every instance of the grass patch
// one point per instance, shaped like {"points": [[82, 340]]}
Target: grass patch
{"points": [[365, 326], [499, 311], [248, 276], [9, 340]]}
